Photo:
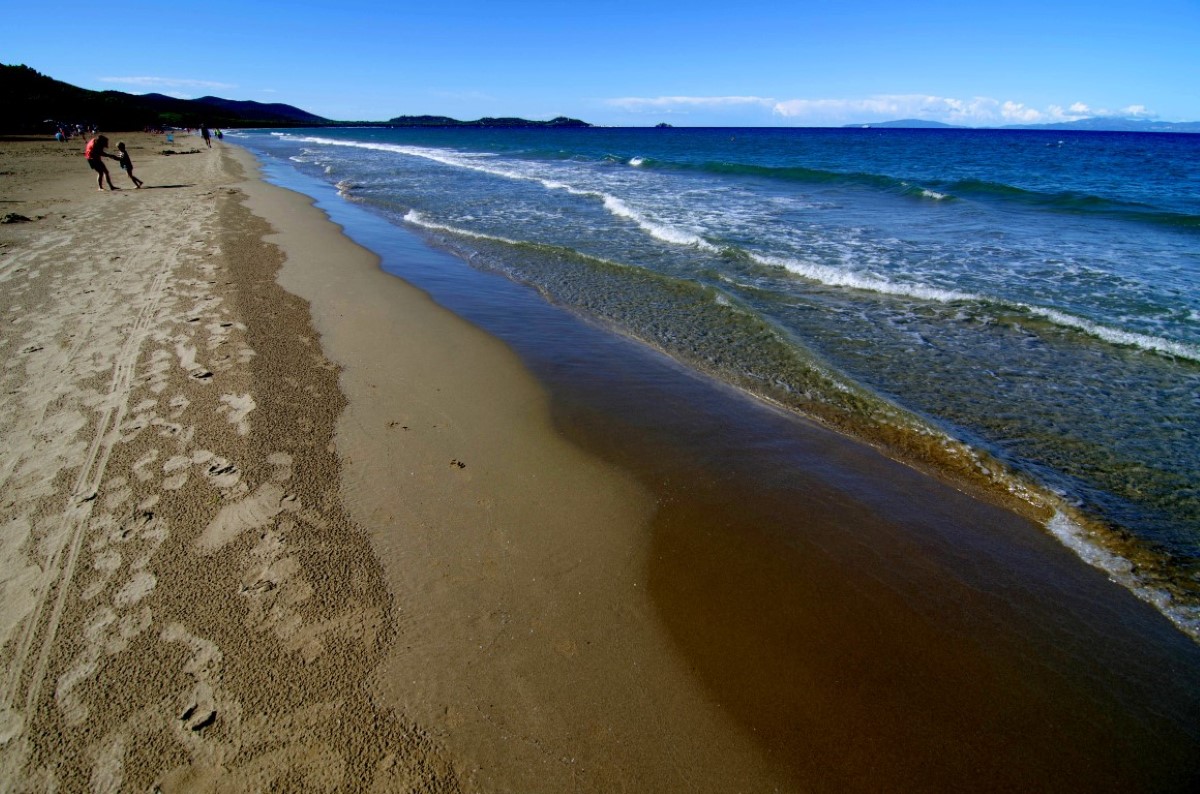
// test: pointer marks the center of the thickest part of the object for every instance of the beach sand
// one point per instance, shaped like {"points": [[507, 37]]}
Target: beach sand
{"points": [[191, 600], [272, 519], [185, 602]]}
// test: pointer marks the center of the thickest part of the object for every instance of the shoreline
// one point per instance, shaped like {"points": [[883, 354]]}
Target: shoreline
{"points": [[1130, 552], [606, 395], [431, 563], [528, 641]]}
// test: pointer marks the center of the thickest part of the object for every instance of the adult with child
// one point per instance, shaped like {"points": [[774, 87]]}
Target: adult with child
{"points": [[95, 154]]}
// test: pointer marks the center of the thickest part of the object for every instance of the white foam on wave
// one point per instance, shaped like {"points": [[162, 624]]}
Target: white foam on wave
{"points": [[925, 192], [636, 162], [1074, 538], [457, 160], [614, 205], [668, 234], [1116, 336], [1121, 571], [836, 277], [417, 219]]}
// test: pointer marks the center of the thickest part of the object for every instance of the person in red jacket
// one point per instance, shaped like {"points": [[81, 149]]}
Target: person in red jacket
{"points": [[95, 154]]}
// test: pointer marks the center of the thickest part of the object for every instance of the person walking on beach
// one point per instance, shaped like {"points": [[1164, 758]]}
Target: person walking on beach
{"points": [[127, 164], [204, 134], [95, 154]]}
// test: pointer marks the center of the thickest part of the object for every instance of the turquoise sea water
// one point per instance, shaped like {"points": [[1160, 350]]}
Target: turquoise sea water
{"points": [[1015, 308]]}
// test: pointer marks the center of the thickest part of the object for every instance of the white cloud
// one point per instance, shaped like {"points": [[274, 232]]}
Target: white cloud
{"points": [[173, 83], [886, 107], [1135, 111], [1017, 112], [668, 103], [1128, 112], [1074, 112], [802, 108], [977, 111]]}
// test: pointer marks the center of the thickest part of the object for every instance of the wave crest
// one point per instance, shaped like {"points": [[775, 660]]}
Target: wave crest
{"points": [[835, 277]]}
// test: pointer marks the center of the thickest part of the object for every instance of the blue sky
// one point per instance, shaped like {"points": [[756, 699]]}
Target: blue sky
{"points": [[699, 62]]}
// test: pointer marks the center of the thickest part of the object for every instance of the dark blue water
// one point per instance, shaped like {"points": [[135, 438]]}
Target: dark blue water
{"points": [[1015, 308]]}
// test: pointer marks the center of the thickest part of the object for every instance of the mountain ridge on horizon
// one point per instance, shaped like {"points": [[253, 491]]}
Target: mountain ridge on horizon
{"points": [[29, 100]]}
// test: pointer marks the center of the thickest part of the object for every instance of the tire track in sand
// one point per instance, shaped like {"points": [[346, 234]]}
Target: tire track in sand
{"points": [[41, 626]]}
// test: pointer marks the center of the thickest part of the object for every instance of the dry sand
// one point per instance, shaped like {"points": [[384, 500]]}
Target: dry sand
{"points": [[185, 602]]}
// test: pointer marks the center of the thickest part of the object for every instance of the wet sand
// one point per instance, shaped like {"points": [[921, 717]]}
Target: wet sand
{"points": [[273, 518]]}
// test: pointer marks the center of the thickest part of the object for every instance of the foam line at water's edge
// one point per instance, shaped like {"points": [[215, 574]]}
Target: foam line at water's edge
{"points": [[1120, 570]]}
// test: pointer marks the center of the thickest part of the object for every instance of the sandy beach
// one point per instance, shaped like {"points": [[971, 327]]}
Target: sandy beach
{"points": [[273, 519], [186, 604]]}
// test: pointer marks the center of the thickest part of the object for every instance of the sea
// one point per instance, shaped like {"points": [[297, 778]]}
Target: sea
{"points": [[1015, 310]]}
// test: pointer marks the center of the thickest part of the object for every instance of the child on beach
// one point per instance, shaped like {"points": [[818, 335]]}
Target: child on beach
{"points": [[127, 164], [95, 154]]}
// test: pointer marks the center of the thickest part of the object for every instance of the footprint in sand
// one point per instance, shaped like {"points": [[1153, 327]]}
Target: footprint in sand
{"points": [[250, 513], [237, 408]]}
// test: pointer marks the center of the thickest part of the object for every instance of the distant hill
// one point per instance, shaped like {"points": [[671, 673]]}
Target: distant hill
{"points": [[1114, 125], [1087, 125], [28, 99], [275, 111], [908, 124], [446, 121]]}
